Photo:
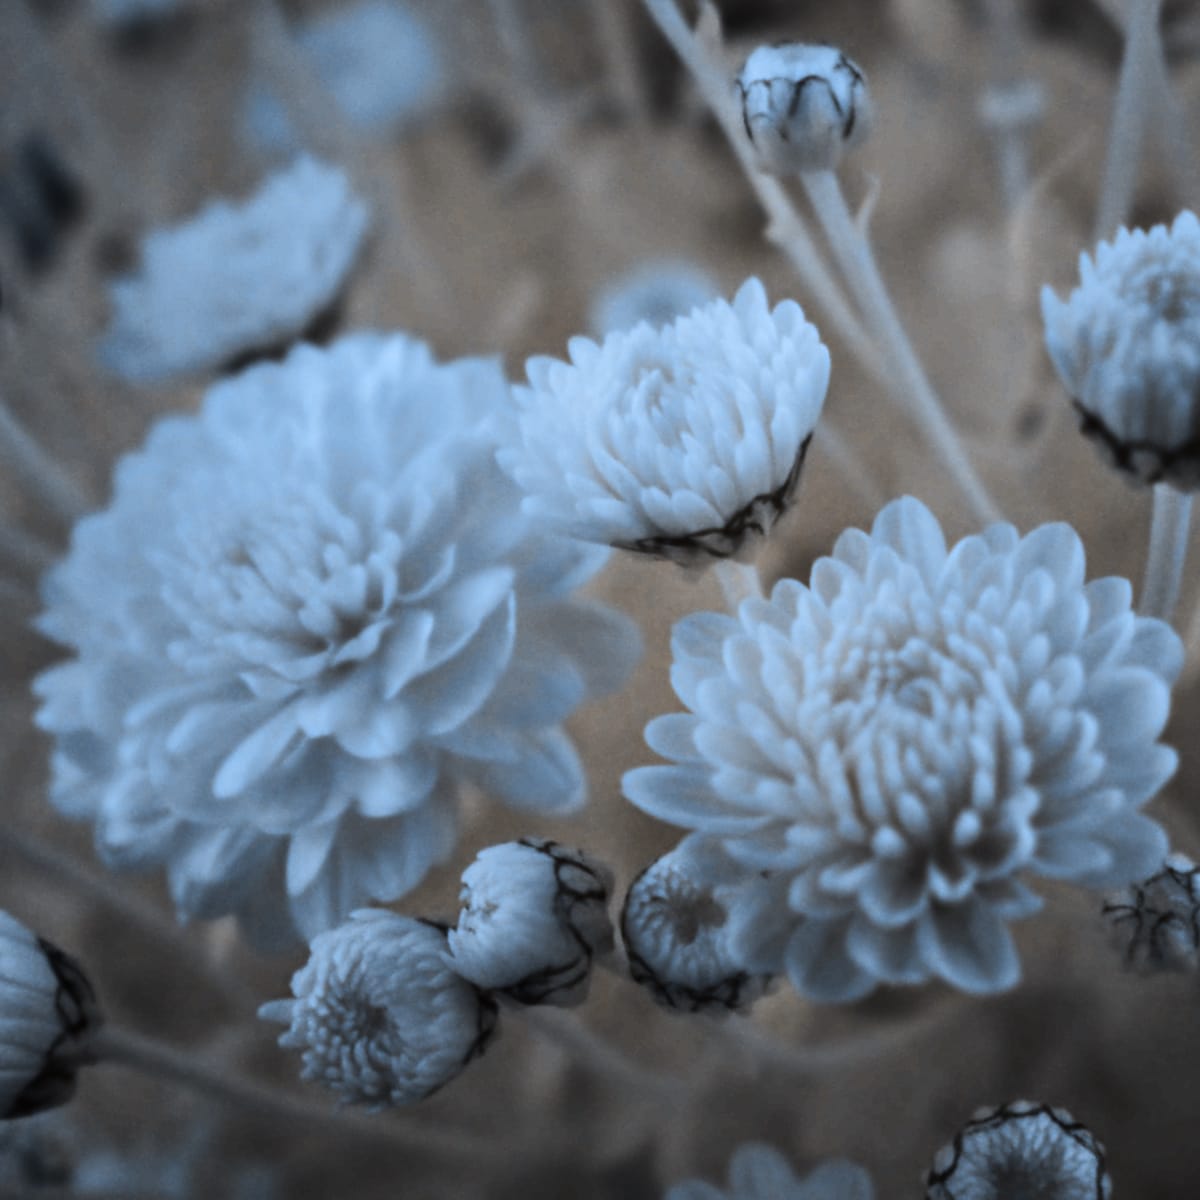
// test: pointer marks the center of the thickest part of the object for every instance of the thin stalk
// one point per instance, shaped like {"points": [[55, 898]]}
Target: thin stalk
{"points": [[852, 248], [739, 581], [1010, 121], [612, 20], [1135, 91], [125, 1048], [1169, 525], [851, 468], [46, 481]]}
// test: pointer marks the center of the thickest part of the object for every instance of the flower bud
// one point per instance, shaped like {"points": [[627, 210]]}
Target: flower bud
{"points": [[674, 925], [48, 1014], [534, 914], [1156, 923], [802, 105]]}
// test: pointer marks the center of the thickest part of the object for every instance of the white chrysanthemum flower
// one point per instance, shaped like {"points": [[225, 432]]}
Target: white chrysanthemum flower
{"points": [[895, 743], [1028, 1150], [675, 925], [760, 1172], [655, 292], [237, 278], [380, 61], [1155, 923], [534, 915], [679, 441], [1126, 345], [803, 105], [48, 1014], [311, 614], [379, 1016]]}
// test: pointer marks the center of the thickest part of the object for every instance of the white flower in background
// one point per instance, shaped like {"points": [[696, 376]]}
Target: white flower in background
{"points": [[655, 292], [803, 105], [1126, 345], [760, 1172], [1020, 1150], [679, 442], [236, 277], [310, 615], [132, 12], [1155, 923], [48, 1014], [897, 742], [378, 1016], [380, 61], [675, 925], [534, 915]]}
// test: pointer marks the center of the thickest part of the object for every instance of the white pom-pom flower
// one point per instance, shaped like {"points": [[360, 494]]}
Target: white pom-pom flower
{"points": [[675, 926], [534, 915], [1155, 923], [311, 614], [1126, 345], [655, 292], [378, 1016], [760, 1172], [803, 106], [1020, 1149], [679, 442], [897, 742], [237, 278], [48, 1014]]}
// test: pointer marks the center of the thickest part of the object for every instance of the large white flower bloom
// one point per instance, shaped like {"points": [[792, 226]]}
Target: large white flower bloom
{"points": [[679, 441], [898, 741], [48, 1014], [1126, 345], [378, 1016], [760, 1172], [237, 277], [311, 614]]}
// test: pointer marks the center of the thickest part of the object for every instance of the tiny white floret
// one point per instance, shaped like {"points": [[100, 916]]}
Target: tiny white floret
{"points": [[760, 1172], [378, 1016], [803, 106], [534, 915], [1126, 345], [683, 442]]}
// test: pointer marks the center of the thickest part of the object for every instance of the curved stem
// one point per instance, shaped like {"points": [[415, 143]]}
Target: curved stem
{"points": [[909, 383], [1169, 525], [47, 482]]}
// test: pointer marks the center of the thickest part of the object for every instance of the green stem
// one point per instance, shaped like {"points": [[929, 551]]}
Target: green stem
{"points": [[1169, 525]]}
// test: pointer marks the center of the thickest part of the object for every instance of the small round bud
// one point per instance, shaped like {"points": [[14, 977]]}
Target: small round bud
{"points": [[378, 1015], [534, 914], [48, 1015], [802, 105], [1020, 1149], [1156, 923], [676, 935]]}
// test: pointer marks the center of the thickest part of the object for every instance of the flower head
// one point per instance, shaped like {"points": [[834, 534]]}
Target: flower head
{"points": [[48, 1014], [237, 277], [534, 913], [1022, 1149], [680, 441], [655, 292], [803, 105], [897, 742], [675, 925], [378, 1015], [760, 1172], [312, 613], [1156, 922], [1126, 345]]}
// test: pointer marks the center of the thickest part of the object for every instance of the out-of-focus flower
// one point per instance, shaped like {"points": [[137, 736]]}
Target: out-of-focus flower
{"points": [[48, 1014], [1155, 923], [1020, 1149], [679, 442], [760, 1172], [132, 12], [237, 277], [1126, 345], [378, 1015], [676, 932], [380, 61], [34, 1153], [534, 915], [803, 105], [655, 292], [898, 741], [311, 614]]}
